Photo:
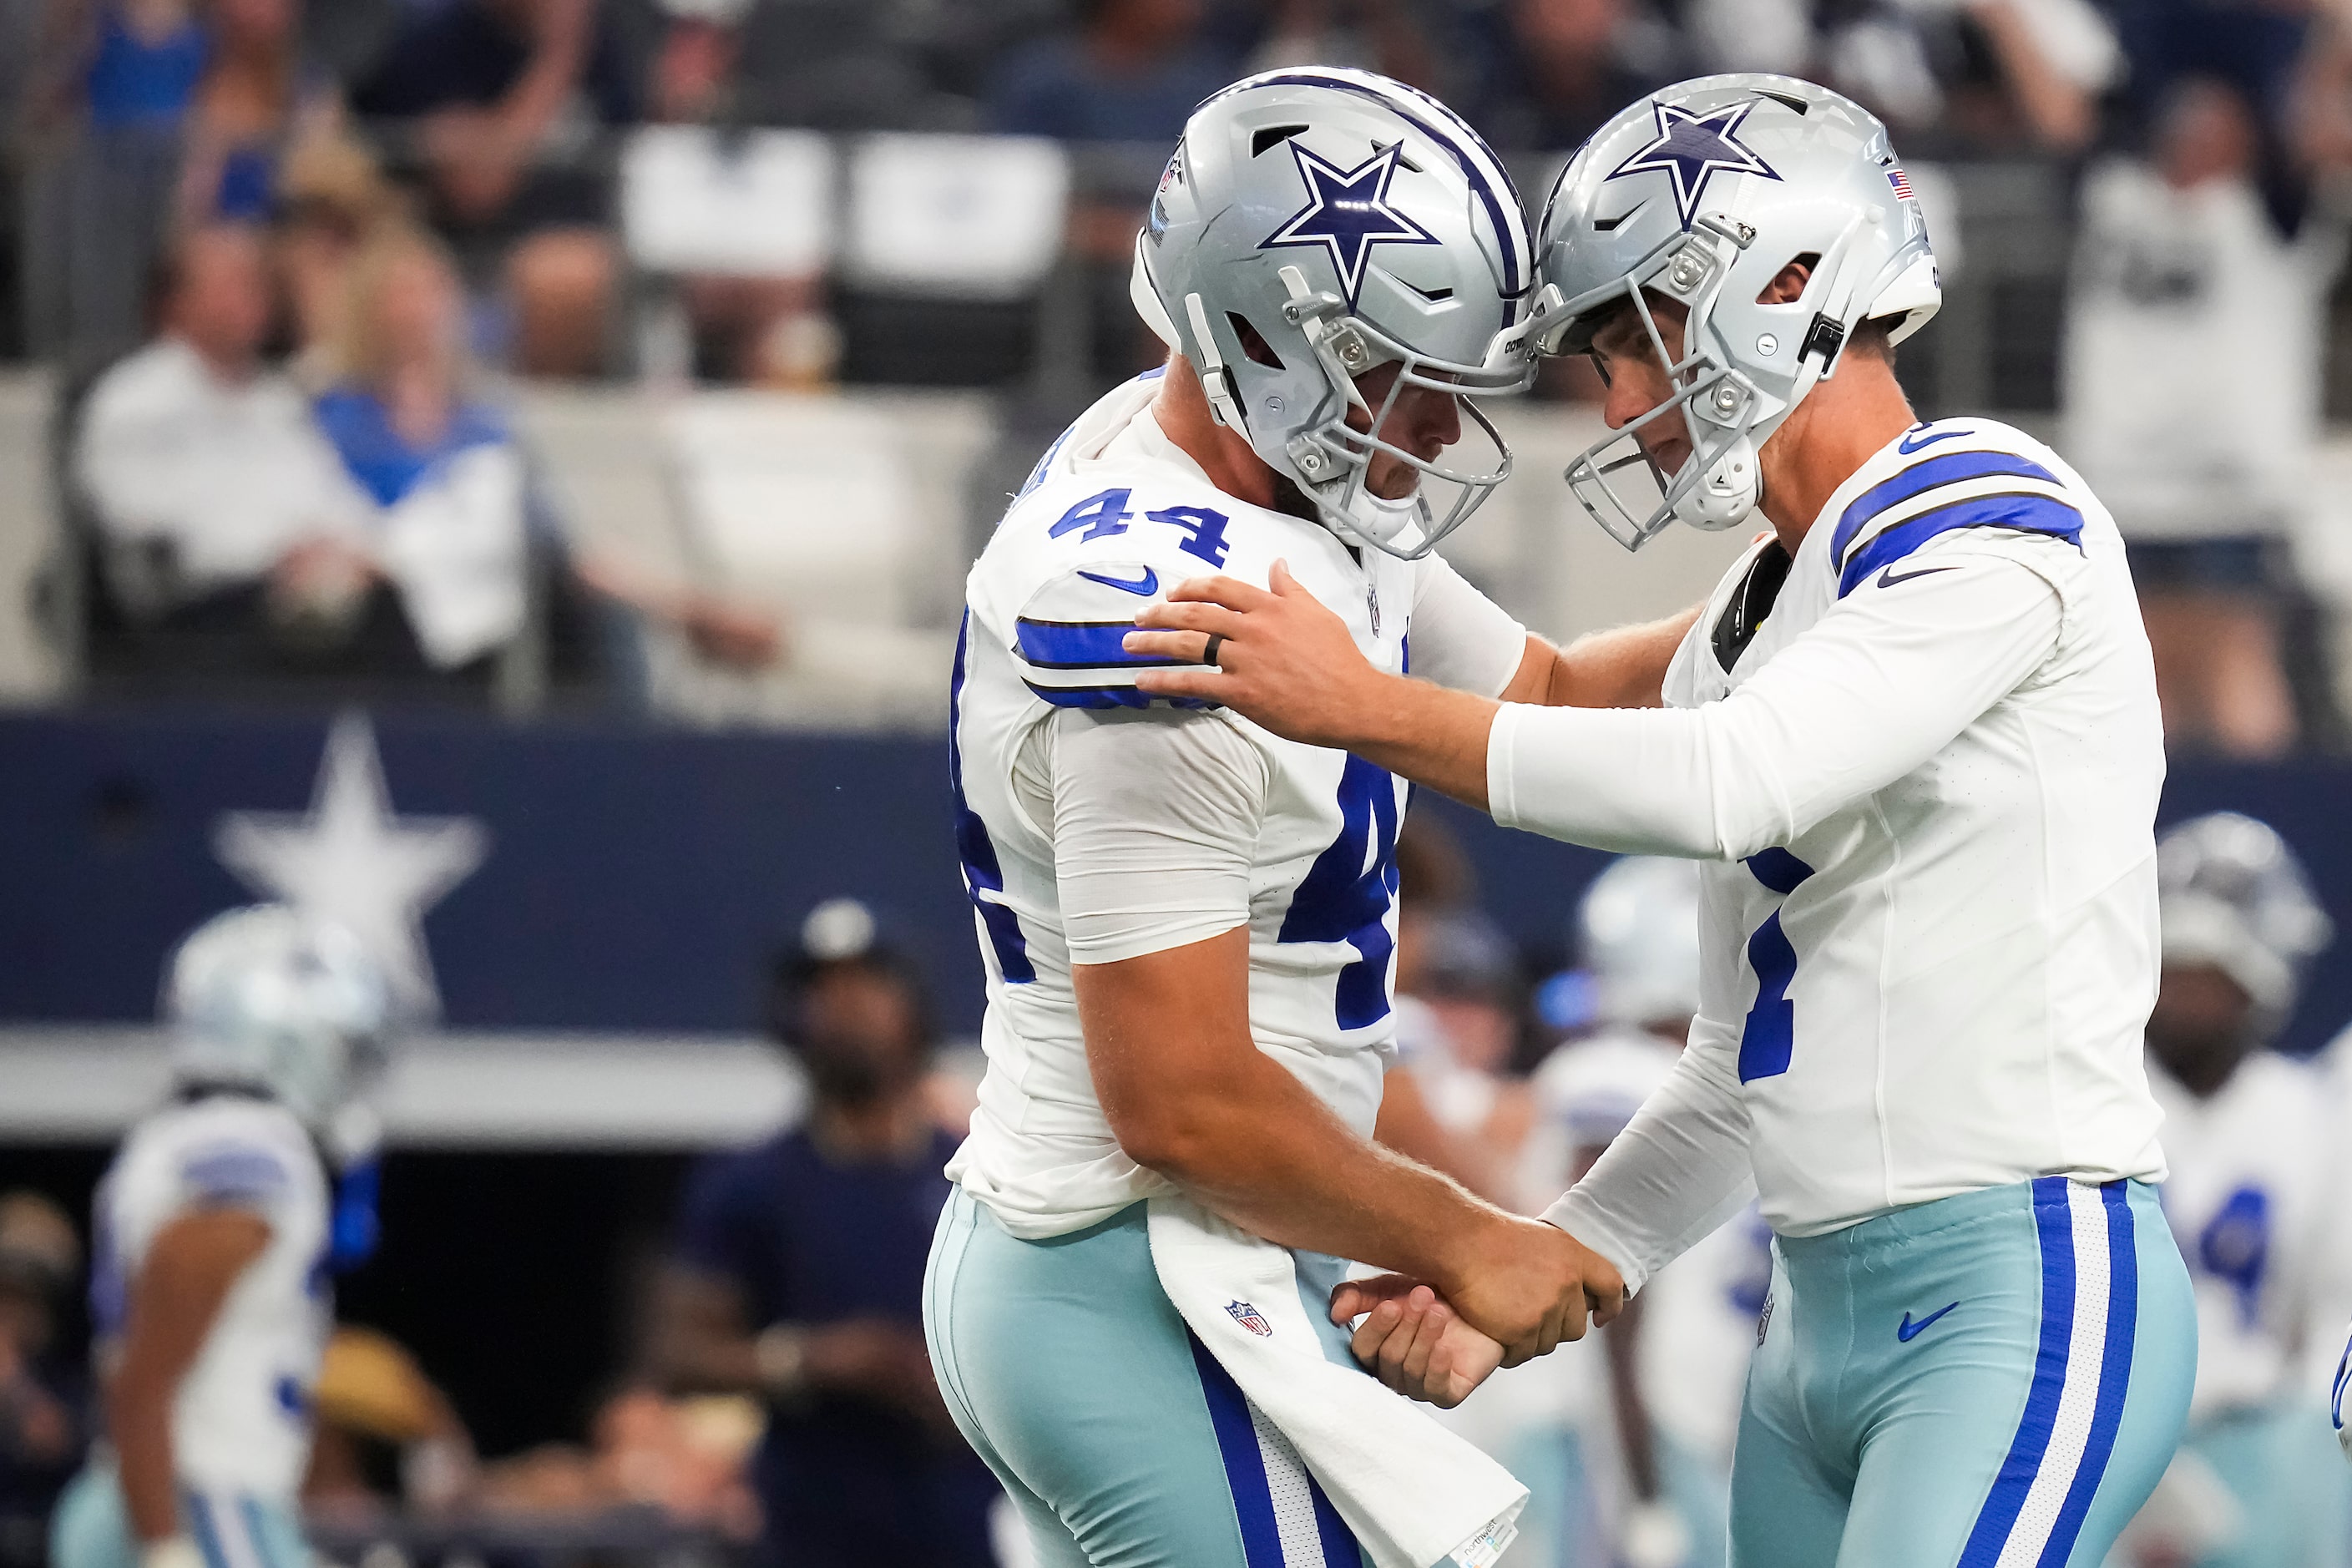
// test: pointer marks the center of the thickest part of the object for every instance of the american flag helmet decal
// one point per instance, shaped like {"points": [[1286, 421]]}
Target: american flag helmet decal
{"points": [[1902, 182]]}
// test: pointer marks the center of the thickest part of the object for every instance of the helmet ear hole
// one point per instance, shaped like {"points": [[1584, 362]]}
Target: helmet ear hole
{"points": [[1253, 342], [1784, 289]]}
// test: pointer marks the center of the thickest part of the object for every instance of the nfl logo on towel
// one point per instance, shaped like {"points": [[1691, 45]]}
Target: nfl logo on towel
{"points": [[1250, 1317]]}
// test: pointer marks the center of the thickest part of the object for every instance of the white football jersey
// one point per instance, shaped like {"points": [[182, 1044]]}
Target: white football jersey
{"points": [[2251, 1202], [1920, 764], [1114, 517], [241, 1421]]}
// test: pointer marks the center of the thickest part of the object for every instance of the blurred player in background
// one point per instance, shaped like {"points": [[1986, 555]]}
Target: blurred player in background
{"points": [[1913, 734], [1659, 1454], [798, 1269], [2254, 1199], [215, 1230]]}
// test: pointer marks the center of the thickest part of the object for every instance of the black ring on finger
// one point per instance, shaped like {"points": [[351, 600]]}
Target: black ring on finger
{"points": [[1209, 653]]}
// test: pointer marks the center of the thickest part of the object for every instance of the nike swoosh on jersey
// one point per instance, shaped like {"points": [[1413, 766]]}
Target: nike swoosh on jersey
{"points": [[1908, 1330], [1887, 579], [1146, 585], [1910, 444]]}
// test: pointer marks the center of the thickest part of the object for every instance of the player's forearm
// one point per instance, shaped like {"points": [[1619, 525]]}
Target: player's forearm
{"points": [[1190, 1094], [1625, 667], [1270, 1157], [1426, 733], [139, 1423]]}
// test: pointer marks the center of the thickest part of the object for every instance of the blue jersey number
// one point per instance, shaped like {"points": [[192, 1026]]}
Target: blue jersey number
{"points": [[981, 872], [1106, 513], [1769, 1036], [1205, 531], [1099, 515], [1346, 894], [2235, 1248]]}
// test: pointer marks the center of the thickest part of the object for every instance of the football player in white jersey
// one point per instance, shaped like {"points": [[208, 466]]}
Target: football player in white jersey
{"points": [[1678, 1355], [1914, 739], [2254, 1201], [214, 1234], [1188, 923]]}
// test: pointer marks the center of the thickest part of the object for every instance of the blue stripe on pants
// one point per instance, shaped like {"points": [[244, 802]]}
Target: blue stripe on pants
{"points": [[1245, 1463], [2054, 1221], [208, 1541]]}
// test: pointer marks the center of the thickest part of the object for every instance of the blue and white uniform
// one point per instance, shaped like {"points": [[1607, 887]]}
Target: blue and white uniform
{"points": [[1096, 826], [241, 1417], [1921, 759], [2254, 1201]]}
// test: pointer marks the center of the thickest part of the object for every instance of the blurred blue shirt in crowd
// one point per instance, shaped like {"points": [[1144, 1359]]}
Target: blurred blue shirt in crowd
{"points": [[814, 1240]]}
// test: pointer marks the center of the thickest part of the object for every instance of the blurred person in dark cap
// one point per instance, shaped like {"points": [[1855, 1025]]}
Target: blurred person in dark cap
{"points": [[797, 1268], [43, 1394]]}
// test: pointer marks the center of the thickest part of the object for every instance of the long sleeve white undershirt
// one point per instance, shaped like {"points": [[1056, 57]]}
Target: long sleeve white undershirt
{"points": [[1881, 684]]}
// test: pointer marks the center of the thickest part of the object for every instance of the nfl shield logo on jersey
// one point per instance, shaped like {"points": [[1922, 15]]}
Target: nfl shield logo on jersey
{"points": [[1250, 1317]]}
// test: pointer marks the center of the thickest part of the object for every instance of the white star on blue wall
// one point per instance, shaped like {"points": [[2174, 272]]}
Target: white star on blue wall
{"points": [[1348, 213], [350, 860], [1693, 149]]}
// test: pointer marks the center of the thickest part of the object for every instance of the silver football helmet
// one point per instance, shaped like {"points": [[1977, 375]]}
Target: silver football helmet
{"points": [[1702, 194], [1313, 225], [2230, 893], [267, 999], [1637, 931]]}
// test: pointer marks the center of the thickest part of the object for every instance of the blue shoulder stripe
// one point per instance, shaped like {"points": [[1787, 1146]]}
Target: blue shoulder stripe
{"points": [[1080, 645], [2024, 514], [1952, 469], [1109, 697]]}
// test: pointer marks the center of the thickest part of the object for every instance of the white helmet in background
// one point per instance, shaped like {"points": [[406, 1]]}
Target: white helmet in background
{"points": [[2232, 894], [270, 1000], [1703, 193], [1637, 931], [1313, 225]]}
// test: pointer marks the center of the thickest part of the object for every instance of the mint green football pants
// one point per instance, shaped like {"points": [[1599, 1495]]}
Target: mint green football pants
{"points": [[1116, 1434], [1995, 1379]]}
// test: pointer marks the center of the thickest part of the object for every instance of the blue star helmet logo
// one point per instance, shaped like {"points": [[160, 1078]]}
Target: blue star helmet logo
{"points": [[1692, 149], [1348, 213]]}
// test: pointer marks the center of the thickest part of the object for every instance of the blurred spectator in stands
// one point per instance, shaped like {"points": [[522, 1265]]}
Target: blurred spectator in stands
{"points": [[2191, 392], [1390, 36], [386, 1436], [254, 99], [43, 1396], [216, 504], [107, 101], [685, 1457], [502, 93], [798, 1277], [1555, 69], [829, 65], [459, 528], [1985, 75], [1131, 71], [332, 199]]}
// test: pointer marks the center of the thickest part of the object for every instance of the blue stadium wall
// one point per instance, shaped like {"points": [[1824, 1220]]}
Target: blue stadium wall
{"points": [[636, 879]]}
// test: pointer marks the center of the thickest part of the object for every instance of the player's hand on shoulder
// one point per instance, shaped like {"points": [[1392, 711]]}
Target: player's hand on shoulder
{"points": [[1280, 657], [1412, 1342]]}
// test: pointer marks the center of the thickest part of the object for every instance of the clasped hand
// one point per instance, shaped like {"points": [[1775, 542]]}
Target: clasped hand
{"points": [[1426, 1347]]}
